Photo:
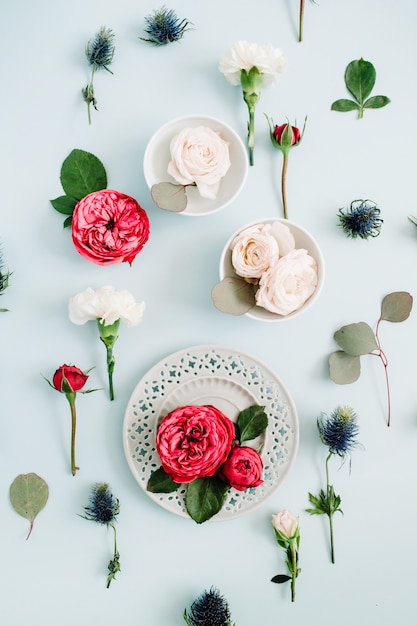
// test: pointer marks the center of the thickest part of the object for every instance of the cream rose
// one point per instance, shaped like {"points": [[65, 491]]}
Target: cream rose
{"points": [[199, 155], [256, 248], [287, 285], [106, 305], [285, 523], [243, 56]]}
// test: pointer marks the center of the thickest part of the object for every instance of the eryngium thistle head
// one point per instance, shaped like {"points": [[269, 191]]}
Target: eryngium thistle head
{"points": [[210, 609], [362, 219], [100, 49], [339, 430], [163, 26], [103, 506]]}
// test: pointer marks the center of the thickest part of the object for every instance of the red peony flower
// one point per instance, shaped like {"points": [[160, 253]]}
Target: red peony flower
{"points": [[109, 227], [243, 468], [68, 378], [193, 441]]}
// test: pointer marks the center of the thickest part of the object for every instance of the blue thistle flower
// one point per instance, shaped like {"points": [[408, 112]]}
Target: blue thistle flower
{"points": [[339, 430], [103, 509], [362, 219], [210, 609], [99, 52], [163, 27]]}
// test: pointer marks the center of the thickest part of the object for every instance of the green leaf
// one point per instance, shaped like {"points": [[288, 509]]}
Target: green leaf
{"points": [[356, 339], [376, 102], [280, 578], [205, 497], [82, 173], [344, 369], [68, 222], [251, 423], [169, 196], [396, 306], [233, 295], [28, 496], [344, 105], [360, 79], [160, 482], [64, 204]]}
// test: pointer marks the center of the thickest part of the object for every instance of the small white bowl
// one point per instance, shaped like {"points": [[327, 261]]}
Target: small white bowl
{"points": [[303, 239], [157, 156]]}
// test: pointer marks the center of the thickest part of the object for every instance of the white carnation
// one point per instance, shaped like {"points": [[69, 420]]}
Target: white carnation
{"points": [[107, 305]]}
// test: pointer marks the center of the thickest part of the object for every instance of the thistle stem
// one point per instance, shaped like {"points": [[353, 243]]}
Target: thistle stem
{"points": [[74, 468], [330, 515], [301, 20], [284, 184]]}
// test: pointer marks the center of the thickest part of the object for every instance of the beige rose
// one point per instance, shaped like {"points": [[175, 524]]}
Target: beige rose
{"points": [[199, 156], [285, 523]]}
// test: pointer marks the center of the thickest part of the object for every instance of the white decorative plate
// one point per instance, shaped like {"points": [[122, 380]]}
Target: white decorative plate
{"points": [[230, 380]]}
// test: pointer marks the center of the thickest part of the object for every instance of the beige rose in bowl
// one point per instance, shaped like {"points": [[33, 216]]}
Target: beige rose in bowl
{"points": [[199, 156]]}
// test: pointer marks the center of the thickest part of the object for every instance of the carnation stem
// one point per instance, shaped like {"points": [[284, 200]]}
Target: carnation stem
{"points": [[251, 134], [110, 369], [284, 184], [300, 30], [330, 514], [71, 401]]}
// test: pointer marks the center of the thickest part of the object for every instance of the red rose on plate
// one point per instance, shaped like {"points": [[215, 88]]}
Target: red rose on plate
{"points": [[193, 441], [243, 468], [109, 227], [68, 378]]}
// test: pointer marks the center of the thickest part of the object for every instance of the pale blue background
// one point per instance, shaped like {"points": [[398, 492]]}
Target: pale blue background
{"points": [[58, 576]]}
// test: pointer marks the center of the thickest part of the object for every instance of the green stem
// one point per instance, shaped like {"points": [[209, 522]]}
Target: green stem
{"points": [[110, 369], [300, 29], [74, 468], [251, 134], [114, 565], [293, 570], [330, 515], [284, 185]]}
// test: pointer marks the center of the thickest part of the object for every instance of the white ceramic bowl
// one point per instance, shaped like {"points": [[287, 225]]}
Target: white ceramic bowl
{"points": [[303, 239], [157, 156]]}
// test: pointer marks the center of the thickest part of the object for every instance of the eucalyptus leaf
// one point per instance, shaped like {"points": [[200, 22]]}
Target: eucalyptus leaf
{"points": [[205, 497], [344, 105], [169, 196], [356, 339], [82, 173], [396, 306], [28, 496], [344, 368], [376, 102], [160, 482], [360, 79], [251, 423], [64, 204], [233, 295]]}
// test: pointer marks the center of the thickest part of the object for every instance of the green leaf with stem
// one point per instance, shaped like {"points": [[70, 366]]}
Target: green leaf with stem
{"points": [[205, 497], [356, 339], [82, 173], [360, 76], [170, 196], [251, 423], [396, 306], [28, 495], [160, 482]]}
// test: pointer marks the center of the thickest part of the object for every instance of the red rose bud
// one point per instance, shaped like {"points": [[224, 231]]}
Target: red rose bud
{"points": [[243, 468], [68, 378], [286, 135]]}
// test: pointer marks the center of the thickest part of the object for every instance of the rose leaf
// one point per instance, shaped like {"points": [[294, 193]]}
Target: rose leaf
{"points": [[64, 204], [344, 368], [280, 578], [205, 497], [251, 423], [28, 496], [169, 197], [160, 482], [376, 102], [396, 306], [344, 105], [360, 79], [233, 295], [82, 173], [356, 339]]}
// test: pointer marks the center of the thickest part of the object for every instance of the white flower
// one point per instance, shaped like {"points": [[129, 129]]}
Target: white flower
{"points": [[285, 523], [287, 285], [256, 248], [199, 155], [106, 305], [243, 56]]}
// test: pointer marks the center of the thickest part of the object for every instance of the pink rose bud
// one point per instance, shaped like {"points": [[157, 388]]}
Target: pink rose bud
{"points": [[285, 524], [68, 378], [243, 468]]}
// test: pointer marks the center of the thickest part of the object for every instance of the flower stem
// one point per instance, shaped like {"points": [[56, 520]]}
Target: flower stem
{"points": [[251, 134], [293, 570], [284, 184], [114, 565], [300, 29], [384, 360], [330, 515], [74, 468], [110, 369]]}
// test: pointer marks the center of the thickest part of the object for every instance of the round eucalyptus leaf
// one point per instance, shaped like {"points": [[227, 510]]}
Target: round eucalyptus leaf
{"points": [[233, 295], [356, 339], [396, 306], [344, 368], [169, 197], [28, 496]]}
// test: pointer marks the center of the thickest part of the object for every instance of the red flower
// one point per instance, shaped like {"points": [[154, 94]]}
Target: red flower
{"points": [[278, 131], [243, 468], [68, 378], [193, 441], [109, 227]]}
